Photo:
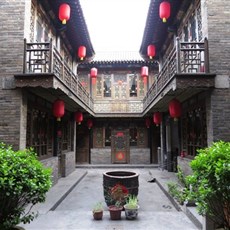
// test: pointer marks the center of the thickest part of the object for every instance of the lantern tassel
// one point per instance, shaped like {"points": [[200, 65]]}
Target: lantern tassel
{"points": [[81, 58], [150, 57], [58, 119], [164, 20], [64, 21]]}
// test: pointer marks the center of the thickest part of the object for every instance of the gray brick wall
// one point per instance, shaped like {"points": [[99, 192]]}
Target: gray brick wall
{"points": [[53, 164], [218, 21], [137, 156], [12, 127], [68, 163], [215, 26]]}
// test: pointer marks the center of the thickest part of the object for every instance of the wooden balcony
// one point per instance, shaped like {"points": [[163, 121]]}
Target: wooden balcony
{"points": [[185, 72], [46, 68]]}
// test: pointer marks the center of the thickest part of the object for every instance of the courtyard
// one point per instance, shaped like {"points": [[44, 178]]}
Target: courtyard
{"points": [[69, 203]]}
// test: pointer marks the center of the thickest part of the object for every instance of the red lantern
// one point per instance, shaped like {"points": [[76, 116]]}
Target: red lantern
{"points": [[144, 71], [164, 11], [147, 122], [90, 124], [93, 73], [151, 51], [157, 118], [58, 109], [64, 13], [78, 117], [175, 109], [81, 52]]}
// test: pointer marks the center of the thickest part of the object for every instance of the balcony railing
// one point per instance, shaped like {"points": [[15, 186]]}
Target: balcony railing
{"points": [[184, 58], [43, 58]]}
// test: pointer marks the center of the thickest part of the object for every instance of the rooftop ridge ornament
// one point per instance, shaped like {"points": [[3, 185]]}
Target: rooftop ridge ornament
{"points": [[64, 13], [164, 11]]}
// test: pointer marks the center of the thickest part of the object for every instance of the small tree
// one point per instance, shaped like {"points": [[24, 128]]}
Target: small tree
{"points": [[23, 182], [210, 183]]}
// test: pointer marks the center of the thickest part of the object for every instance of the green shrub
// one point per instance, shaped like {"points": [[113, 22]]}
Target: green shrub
{"points": [[23, 183], [176, 191], [210, 182]]}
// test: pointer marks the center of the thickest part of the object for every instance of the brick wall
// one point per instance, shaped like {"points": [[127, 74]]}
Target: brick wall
{"points": [[215, 26], [53, 164], [11, 59], [68, 163], [137, 156]]}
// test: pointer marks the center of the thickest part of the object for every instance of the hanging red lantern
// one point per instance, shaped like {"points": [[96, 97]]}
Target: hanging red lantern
{"points": [[93, 73], [78, 117], [58, 109], [147, 122], [164, 11], [64, 13], [151, 51], [175, 109], [89, 124], [144, 71], [157, 118], [81, 52]]}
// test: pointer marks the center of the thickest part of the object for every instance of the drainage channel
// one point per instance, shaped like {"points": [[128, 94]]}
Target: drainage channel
{"points": [[68, 192]]}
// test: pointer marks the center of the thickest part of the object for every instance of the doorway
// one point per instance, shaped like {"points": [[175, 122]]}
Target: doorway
{"points": [[120, 149]]}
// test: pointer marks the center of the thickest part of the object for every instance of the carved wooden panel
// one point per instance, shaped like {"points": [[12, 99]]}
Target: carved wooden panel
{"points": [[120, 146]]}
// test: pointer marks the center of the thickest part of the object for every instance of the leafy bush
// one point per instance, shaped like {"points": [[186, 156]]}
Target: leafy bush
{"points": [[176, 191], [210, 182], [23, 182]]}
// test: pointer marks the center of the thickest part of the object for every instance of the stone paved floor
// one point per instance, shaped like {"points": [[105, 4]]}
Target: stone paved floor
{"points": [[85, 188]]}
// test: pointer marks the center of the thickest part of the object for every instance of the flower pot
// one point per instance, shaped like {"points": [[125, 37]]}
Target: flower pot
{"points": [[131, 213], [115, 212], [98, 215]]}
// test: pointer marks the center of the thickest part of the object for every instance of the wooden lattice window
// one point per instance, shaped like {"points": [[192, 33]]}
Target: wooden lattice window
{"points": [[133, 136], [194, 132], [133, 85], [39, 132]]}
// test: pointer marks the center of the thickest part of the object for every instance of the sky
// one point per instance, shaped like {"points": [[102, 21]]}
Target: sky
{"points": [[115, 25]]}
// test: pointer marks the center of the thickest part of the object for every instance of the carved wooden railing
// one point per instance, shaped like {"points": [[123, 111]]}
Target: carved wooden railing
{"points": [[43, 58], [184, 58]]}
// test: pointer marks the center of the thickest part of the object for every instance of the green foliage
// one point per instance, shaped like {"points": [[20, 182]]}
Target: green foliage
{"points": [[181, 177], [131, 202], [210, 182], [98, 207], [23, 182], [176, 191]]}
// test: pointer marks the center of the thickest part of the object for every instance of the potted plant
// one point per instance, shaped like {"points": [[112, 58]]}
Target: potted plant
{"points": [[115, 211], [131, 207], [23, 183], [209, 183], [98, 211], [117, 194]]}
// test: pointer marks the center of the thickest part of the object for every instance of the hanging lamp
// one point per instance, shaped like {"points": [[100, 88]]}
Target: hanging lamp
{"points": [[64, 13], [59, 109], [164, 11]]}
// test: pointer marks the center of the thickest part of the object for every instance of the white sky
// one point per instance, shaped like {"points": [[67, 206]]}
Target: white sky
{"points": [[115, 25]]}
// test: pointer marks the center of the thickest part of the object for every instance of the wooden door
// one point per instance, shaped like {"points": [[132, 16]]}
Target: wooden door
{"points": [[120, 146], [82, 145]]}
